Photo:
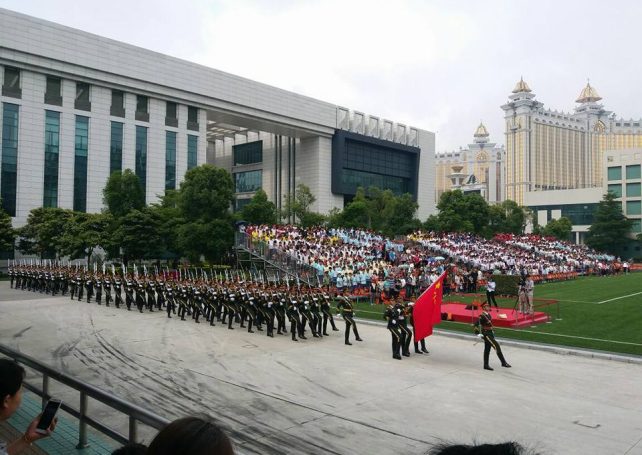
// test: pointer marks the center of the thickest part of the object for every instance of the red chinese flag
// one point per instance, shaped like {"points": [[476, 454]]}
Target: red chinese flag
{"points": [[427, 310]]}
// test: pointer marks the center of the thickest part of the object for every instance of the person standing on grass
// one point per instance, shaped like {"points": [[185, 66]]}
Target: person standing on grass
{"points": [[12, 376]]}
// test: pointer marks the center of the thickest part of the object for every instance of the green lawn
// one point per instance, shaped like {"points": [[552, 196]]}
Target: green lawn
{"points": [[588, 318]]}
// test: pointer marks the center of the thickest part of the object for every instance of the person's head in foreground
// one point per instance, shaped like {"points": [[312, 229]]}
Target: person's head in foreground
{"points": [[193, 435], [504, 448], [12, 376]]}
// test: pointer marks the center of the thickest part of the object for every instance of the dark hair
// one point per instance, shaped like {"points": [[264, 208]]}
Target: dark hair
{"points": [[193, 435], [11, 377], [505, 448], [133, 448]]}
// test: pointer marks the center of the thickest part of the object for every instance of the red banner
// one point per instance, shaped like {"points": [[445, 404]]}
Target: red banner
{"points": [[427, 310]]}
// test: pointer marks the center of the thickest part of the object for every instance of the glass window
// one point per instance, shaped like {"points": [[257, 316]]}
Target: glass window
{"points": [[141, 157], [142, 103], [82, 97], [352, 180], [192, 114], [11, 86], [9, 167], [116, 149], [82, 91], [637, 226], [80, 163], [192, 151], [615, 173], [633, 172], [117, 103], [52, 148], [170, 111], [616, 189], [170, 160], [240, 203], [632, 189], [634, 208], [250, 153], [11, 78], [53, 91], [248, 181], [192, 118]]}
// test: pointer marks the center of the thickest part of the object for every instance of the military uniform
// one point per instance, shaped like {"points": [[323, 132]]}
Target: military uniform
{"points": [[485, 325], [347, 312]]}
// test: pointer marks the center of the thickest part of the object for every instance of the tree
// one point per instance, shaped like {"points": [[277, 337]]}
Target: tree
{"points": [[432, 224], [506, 217], [297, 206], [168, 217], [206, 194], [560, 229], [259, 210], [43, 232], [610, 227], [516, 217], [84, 232], [138, 235], [123, 192], [210, 239], [399, 215], [459, 212], [7, 232]]}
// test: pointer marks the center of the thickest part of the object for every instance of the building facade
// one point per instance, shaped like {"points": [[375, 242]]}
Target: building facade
{"points": [[623, 171], [479, 168], [551, 150], [75, 107]]}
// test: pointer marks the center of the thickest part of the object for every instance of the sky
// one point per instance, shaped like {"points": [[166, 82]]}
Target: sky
{"points": [[441, 66]]}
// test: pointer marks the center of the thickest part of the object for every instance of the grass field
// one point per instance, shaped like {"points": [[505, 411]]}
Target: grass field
{"points": [[594, 313]]}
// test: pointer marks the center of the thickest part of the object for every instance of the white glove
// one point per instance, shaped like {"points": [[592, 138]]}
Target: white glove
{"points": [[394, 322], [480, 336]]}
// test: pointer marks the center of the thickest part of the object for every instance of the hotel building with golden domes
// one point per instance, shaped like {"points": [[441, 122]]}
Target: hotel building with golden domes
{"points": [[477, 168], [551, 150]]}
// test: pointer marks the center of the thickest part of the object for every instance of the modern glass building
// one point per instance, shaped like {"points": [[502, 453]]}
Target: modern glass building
{"points": [[623, 170], [75, 107]]}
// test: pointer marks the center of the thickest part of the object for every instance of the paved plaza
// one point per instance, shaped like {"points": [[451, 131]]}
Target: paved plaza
{"points": [[320, 396]]}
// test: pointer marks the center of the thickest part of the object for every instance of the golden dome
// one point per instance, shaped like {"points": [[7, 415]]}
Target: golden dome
{"points": [[588, 95], [521, 86], [481, 131]]}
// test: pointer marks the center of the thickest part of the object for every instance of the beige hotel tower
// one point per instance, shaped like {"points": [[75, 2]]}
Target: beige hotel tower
{"points": [[551, 150]]}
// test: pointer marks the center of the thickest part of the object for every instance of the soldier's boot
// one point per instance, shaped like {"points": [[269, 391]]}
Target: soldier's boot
{"points": [[395, 350]]}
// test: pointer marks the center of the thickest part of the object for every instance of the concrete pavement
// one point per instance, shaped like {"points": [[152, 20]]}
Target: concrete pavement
{"points": [[320, 396]]}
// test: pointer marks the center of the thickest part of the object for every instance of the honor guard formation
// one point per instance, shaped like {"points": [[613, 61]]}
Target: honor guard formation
{"points": [[245, 304]]}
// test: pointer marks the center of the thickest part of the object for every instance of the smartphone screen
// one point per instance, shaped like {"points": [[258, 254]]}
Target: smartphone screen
{"points": [[48, 415]]}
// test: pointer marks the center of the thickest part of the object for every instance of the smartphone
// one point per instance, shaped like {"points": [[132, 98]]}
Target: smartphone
{"points": [[48, 415]]}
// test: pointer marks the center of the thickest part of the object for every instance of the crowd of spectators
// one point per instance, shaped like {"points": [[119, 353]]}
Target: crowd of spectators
{"points": [[365, 262]]}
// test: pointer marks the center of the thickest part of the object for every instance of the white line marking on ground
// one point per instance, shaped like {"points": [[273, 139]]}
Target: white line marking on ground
{"points": [[618, 298], [572, 336]]}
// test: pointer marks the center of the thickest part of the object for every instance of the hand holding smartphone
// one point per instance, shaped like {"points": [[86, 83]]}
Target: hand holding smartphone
{"points": [[48, 416]]}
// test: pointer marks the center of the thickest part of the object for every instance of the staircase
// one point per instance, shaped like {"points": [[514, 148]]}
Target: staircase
{"points": [[275, 265]]}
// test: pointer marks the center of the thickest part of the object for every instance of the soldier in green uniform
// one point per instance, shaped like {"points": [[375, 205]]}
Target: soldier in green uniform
{"points": [[347, 312], [390, 315], [484, 327]]}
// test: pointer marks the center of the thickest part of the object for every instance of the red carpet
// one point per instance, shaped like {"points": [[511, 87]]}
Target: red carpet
{"points": [[502, 317]]}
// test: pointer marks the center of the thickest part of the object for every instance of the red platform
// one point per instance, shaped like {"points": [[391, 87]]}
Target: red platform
{"points": [[502, 317]]}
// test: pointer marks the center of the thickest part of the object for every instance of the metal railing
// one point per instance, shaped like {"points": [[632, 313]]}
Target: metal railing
{"points": [[135, 413], [278, 259]]}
